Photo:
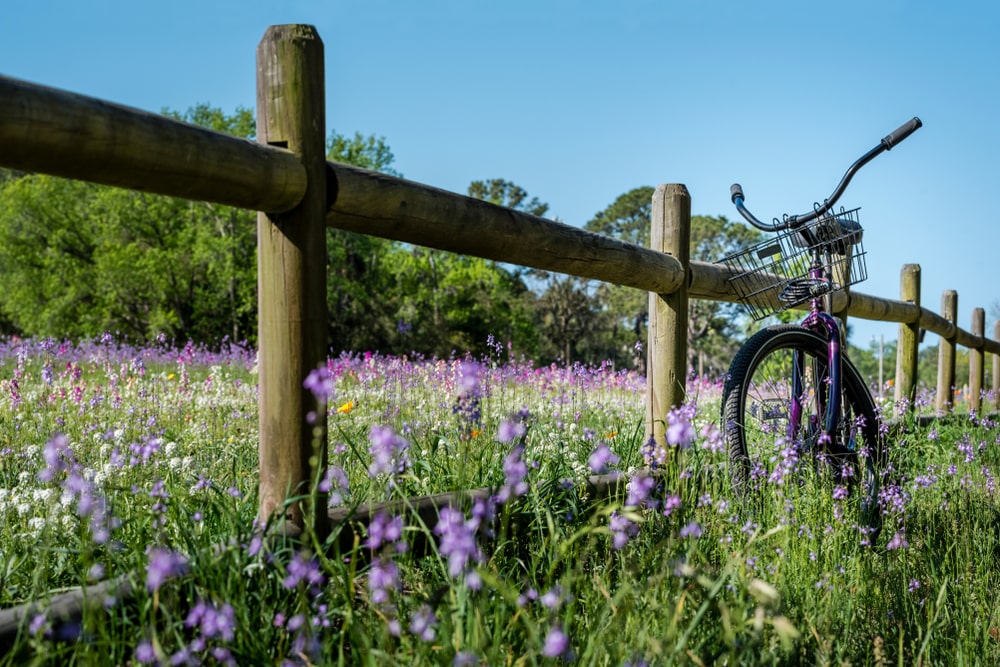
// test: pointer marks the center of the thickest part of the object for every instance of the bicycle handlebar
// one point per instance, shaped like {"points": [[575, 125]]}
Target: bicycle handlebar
{"points": [[793, 221]]}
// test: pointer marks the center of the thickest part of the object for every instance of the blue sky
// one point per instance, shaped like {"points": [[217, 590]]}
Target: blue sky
{"points": [[579, 102]]}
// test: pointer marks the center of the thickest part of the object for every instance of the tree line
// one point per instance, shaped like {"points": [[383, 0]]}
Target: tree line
{"points": [[79, 259]]}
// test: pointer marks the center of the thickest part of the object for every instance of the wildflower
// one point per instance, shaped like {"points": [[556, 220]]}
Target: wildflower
{"points": [[422, 623], [346, 408], [38, 623], [553, 598], [691, 530], [458, 543], [470, 376], [898, 541], [601, 458], [321, 383], [58, 457], [384, 529], [712, 438], [214, 622], [510, 430], [670, 503], [556, 643], [515, 471], [622, 529], [465, 659], [336, 484], [163, 564], [383, 578], [388, 450], [639, 489], [680, 432], [144, 653], [303, 570]]}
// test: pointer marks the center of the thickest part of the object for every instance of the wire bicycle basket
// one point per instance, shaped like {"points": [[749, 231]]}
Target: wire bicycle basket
{"points": [[774, 275]]}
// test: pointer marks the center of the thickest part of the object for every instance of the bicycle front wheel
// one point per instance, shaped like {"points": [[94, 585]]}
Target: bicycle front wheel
{"points": [[776, 407]]}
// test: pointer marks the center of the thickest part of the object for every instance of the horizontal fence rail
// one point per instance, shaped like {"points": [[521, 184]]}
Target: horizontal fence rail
{"points": [[64, 134], [372, 203]]}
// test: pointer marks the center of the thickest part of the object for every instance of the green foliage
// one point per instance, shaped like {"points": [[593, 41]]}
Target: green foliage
{"points": [[369, 152], [504, 193], [80, 259]]}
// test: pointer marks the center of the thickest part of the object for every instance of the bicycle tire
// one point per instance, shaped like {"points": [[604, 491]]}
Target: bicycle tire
{"points": [[755, 405]]}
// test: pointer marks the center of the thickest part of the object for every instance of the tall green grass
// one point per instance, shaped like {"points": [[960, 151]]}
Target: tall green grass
{"points": [[142, 464]]}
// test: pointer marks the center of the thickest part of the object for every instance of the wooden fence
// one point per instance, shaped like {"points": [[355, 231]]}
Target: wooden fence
{"points": [[285, 176]]}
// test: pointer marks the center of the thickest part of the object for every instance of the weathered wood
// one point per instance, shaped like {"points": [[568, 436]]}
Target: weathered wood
{"points": [[908, 347], [371, 203], [996, 368], [666, 347], [292, 279], [54, 132], [946, 355], [424, 510], [977, 366]]}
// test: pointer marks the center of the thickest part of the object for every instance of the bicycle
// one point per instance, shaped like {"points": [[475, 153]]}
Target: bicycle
{"points": [[793, 405]]}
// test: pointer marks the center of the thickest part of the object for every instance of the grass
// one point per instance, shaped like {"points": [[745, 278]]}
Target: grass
{"points": [[142, 464]]}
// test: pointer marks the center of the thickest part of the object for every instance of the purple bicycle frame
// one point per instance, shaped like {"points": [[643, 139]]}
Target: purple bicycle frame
{"points": [[824, 324]]}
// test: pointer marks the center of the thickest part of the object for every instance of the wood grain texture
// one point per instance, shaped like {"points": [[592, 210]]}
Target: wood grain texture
{"points": [[54, 132], [291, 280]]}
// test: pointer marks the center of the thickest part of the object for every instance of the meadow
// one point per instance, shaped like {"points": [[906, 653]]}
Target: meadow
{"points": [[140, 464]]}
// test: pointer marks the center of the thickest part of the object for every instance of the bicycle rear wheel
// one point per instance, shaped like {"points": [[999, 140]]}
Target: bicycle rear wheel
{"points": [[775, 404]]}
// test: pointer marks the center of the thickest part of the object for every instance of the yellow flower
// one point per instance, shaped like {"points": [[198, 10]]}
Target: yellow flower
{"points": [[346, 408]]}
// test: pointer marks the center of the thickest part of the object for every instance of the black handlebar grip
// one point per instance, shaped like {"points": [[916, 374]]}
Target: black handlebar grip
{"points": [[736, 190], [902, 132]]}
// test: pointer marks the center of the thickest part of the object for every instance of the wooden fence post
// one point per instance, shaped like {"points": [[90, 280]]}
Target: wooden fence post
{"points": [[292, 281], [908, 350], [946, 355], [977, 366], [996, 368], [666, 348]]}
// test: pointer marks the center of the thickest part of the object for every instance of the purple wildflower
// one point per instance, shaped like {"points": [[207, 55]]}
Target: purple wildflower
{"points": [[515, 471], [422, 623], [144, 653], [680, 432], [898, 541], [470, 376], [601, 458], [164, 564], [458, 542], [214, 622], [670, 503], [384, 529], [552, 598], [321, 383], [388, 450], [639, 489], [556, 643], [622, 529], [691, 530], [383, 579], [58, 457], [510, 430], [303, 570], [336, 484]]}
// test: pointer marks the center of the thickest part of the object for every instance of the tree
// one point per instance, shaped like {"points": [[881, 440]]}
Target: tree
{"points": [[507, 194]]}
